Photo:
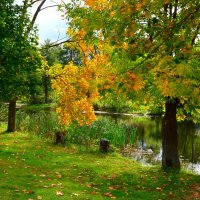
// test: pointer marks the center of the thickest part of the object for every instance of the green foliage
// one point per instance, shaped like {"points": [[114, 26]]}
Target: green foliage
{"points": [[118, 134], [115, 103], [18, 55]]}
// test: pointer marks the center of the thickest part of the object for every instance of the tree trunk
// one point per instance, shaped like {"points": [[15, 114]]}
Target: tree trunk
{"points": [[11, 116], [170, 157]]}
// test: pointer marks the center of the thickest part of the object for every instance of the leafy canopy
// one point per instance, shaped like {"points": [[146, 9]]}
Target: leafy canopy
{"points": [[18, 55], [150, 46]]}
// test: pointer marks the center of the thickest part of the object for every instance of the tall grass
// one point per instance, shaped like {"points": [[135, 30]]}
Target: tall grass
{"points": [[118, 134], [3, 112], [45, 124]]}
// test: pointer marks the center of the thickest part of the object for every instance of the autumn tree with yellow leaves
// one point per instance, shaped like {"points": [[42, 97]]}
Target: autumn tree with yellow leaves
{"points": [[147, 50]]}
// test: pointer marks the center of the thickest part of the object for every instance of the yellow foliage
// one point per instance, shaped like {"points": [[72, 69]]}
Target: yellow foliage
{"points": [[98, 4], [125, 45], [77, 89]]}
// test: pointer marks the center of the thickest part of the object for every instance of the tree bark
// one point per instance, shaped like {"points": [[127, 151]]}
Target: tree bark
{"points": [[11, 116], [170, 156]]}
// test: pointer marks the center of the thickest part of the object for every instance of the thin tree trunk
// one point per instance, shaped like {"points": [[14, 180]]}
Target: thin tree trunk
{"points": [[170, 157], [11, 115]]}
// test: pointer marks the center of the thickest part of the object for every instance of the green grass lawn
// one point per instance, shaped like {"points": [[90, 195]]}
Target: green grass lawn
{"points": [[31, 168]]}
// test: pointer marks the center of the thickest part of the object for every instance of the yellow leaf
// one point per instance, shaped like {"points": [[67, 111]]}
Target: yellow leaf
{"points": [[159, 189], [59, 193]]}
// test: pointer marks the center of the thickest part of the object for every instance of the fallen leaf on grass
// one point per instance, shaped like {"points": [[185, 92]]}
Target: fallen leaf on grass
{"points": [[107, 194], [75, 194], [42, 175], [39, 198], [93, 192], [196, 195], [171, 195], [91, 185], [194, 192], [111, 188], [159, 189], [59, 193], [59, 176], [88, 186], [114, 176]]}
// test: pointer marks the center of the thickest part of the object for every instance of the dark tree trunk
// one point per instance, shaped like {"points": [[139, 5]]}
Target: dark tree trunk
{"points": [[170, 157], [60, 137], [104, 145], [11, 116], [33, 99]]}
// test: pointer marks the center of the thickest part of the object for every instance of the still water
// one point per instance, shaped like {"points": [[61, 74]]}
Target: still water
{"points": [[147, 147]]}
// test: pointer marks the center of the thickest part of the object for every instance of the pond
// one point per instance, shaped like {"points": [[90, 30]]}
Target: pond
{"points": [[147, 147]]}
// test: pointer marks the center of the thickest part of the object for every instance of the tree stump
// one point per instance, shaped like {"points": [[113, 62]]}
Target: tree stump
{"points": [[60, 137], [104, 145]]}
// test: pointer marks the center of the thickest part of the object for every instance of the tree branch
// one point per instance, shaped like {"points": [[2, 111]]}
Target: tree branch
{"points": [[48, 7], [59, 43], [35, 16], [175, 9], [33, 2]]}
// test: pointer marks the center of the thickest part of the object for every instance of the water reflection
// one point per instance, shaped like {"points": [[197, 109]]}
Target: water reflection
{"points": [[147, 148]]}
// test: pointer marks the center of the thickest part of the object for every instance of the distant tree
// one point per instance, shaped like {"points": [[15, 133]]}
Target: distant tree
{"points": [[53, 55], [19, 57]]}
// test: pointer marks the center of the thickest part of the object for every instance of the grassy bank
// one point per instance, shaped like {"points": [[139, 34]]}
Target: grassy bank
{"points": [[31, 168]]}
